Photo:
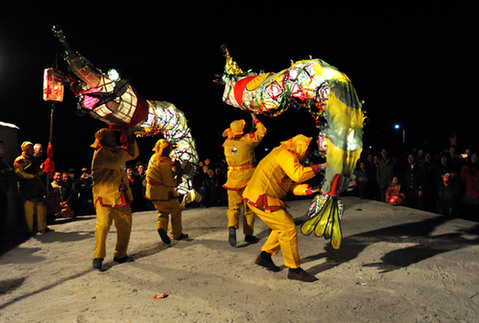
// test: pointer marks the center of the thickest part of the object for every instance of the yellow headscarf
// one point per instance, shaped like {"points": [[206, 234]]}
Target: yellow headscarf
{"points": [[99, 135], [235, 129], [160, 145], [25, 144], [299, 144]]}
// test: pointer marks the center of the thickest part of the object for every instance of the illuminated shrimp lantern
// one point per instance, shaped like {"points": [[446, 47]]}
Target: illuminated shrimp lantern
{"points": [[107, 97], [331, 100]]}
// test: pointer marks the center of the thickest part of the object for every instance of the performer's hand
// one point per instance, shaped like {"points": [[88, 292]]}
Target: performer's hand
{"points": [[180, 166], [315, 189], [129, 141], [131, 133], [185, 164], [318, 167], [177, 164]]}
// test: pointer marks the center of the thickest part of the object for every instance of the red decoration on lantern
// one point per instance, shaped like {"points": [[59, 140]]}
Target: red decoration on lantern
{"points": [[52, 86]]}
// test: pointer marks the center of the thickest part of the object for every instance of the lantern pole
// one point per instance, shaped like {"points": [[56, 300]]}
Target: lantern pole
{"points": [[47, 186], [50, 140]]}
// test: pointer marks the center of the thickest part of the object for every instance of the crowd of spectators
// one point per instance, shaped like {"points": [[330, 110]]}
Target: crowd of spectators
{"points": [[444, 181], [70, 194]]}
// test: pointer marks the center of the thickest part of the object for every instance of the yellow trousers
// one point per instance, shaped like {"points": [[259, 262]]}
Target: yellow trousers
{"points": [[284, 236], [234, 208], [104, 218], [171, 207], [34, 210]]}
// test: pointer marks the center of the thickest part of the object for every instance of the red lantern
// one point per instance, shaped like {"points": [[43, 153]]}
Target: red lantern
{"points": [[52, 86]]}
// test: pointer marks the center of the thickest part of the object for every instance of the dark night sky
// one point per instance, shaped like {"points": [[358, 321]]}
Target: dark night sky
{"points": [[412, 62]]}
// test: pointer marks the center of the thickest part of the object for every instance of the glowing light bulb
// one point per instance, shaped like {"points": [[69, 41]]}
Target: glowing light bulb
{"points": [[113, 75]]}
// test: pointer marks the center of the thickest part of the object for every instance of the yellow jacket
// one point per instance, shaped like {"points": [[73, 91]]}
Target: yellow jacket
{"points": [[27, 168], [160, 184], [109, 179], [23, 162], [277, 173], [240, 155]]}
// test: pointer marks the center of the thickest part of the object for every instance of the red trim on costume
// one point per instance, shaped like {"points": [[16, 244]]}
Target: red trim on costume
{"points": [[293, 152], [123, 202], [239, 88], [155, 183], [233, 188], [240, 167], [262, 202]]}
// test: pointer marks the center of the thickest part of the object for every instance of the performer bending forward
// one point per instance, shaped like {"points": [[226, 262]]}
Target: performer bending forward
{"points": [[160, 189], [111, 193], [276, 174], [239, 153]]}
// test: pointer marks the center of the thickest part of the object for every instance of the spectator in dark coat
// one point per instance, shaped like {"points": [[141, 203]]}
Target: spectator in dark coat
{"points": [[448, 196], [413, 181], [365, 179], [5, 173], [386, 169], [470, 176]]}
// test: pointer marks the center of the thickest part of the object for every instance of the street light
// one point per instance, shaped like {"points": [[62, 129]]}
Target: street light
{"points": [[397, 126]]}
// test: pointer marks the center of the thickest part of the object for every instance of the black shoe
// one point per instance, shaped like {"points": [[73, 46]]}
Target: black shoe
{"points": [[301, 275], [164, 237], [264, 260], [42, 232], [232, 236], [251, 239], [97, 263], [182, 236], [124, 259]]}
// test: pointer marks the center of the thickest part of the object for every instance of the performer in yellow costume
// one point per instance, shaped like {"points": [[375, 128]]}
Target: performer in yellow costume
{"points": [[277, 173], [240, 156], [111, 193], [160, 189], [28, 169]]}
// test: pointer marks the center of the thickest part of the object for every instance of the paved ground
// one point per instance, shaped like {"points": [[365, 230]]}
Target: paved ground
{"points": [[395, 265]]}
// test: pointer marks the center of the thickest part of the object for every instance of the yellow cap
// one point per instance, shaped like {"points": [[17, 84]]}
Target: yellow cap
{"points": [[159, 147], [25, 144], [299, 144], [235, 129], [99, 135]]}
